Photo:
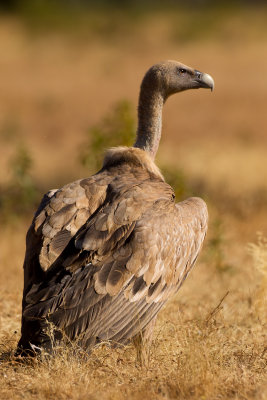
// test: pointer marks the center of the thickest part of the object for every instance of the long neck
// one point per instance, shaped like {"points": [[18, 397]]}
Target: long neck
{"points": [[151, 101]]}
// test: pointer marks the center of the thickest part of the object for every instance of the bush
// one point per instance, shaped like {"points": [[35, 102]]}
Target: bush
{"points": [[20, 194], [116, 128]]}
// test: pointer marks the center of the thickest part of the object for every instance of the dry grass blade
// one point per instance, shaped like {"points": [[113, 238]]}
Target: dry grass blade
{"points": [[217, 308]]}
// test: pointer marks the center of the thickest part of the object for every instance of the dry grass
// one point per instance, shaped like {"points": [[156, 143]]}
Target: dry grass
{"points": [[259, 253], [204, 348]]}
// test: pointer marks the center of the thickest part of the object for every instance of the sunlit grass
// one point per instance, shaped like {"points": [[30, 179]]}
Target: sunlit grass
{"points": [[259, 253], [198, 352], [210, 339]]}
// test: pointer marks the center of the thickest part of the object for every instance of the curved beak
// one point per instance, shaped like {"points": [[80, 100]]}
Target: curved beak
{"points": [[203, 80]]}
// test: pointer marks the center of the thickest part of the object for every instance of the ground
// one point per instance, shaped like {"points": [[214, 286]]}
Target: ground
{"points": [[210, 339]]}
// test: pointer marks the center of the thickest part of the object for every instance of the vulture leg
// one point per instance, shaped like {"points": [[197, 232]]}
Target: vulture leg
{"points": [[142, 343]]}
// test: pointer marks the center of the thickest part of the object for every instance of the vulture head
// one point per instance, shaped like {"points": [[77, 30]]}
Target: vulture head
{"points": [[171, 77], [161, 81]]}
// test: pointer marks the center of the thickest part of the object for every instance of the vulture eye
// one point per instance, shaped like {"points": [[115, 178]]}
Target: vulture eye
{"points": [[182, 71]]}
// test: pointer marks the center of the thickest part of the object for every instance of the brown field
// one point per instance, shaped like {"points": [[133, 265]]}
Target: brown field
{"points": [[211, 339]]}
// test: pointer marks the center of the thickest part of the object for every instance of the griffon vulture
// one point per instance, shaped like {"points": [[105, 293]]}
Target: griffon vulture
{"points": [[104, 253]]}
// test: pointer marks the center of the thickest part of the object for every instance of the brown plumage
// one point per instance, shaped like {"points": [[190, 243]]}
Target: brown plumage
{"points": [[105, 253]]}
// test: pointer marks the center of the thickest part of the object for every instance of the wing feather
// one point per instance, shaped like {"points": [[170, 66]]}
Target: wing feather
{"points": [[112, 251]]}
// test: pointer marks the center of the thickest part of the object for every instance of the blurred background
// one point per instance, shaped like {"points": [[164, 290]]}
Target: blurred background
{"points": [[70, 73], [69, 83]]}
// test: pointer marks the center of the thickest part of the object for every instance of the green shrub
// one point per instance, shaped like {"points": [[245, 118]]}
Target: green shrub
{"points": [[116, 128], [20, 194]]}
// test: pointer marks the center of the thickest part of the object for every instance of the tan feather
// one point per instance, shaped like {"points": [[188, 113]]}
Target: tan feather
{"points": [[105, 253]]}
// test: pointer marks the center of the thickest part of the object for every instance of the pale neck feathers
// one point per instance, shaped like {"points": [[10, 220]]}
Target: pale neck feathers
{"points": [[131, 155]]}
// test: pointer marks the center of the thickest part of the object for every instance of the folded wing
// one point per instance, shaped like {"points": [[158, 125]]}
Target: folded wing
{"points": [[110, 252]]}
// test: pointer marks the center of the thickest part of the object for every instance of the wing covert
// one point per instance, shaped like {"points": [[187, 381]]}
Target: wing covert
{"points": [[111, 264]]}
